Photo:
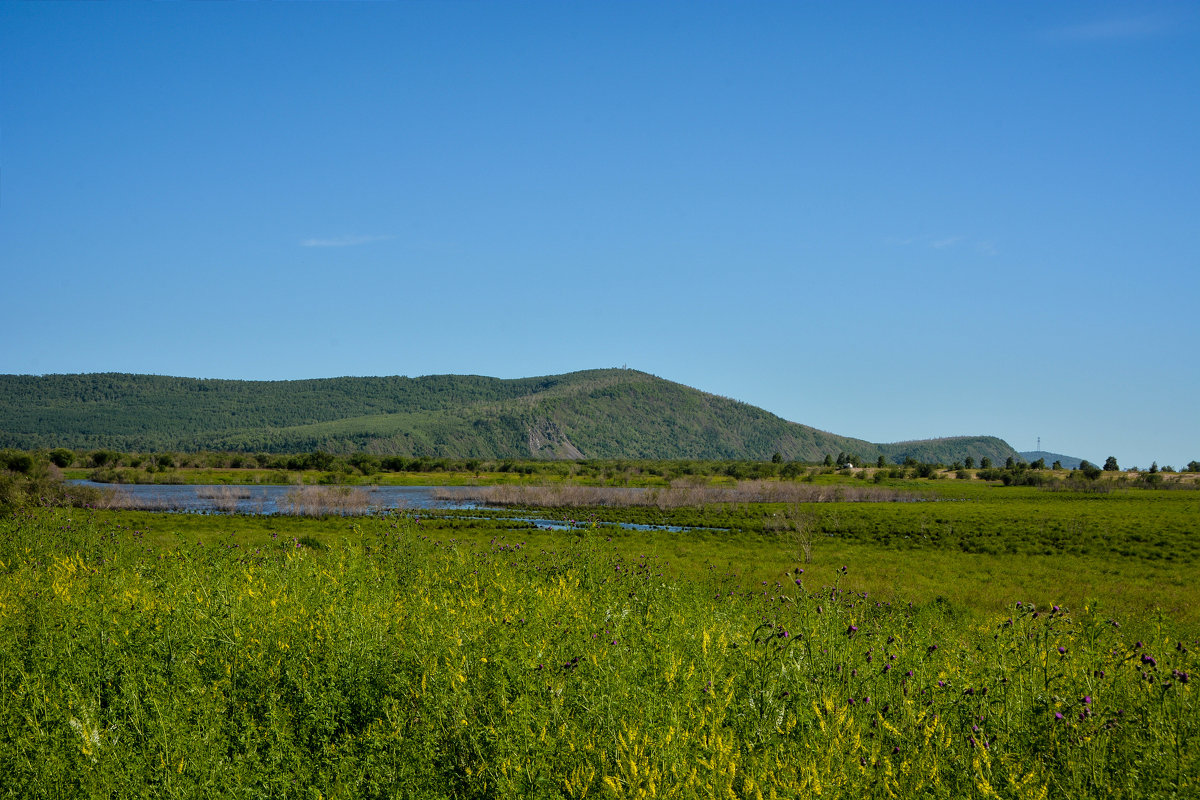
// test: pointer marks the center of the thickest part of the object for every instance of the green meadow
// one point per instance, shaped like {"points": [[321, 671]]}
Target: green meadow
{"points": [[919, 639]]}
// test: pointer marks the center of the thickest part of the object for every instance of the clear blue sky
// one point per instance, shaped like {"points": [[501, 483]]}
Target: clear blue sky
{"points": [[887, 220]]}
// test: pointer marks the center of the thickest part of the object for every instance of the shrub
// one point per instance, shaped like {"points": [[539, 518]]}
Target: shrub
{"points": [[62, 457], [101, 458], [16, 461]]}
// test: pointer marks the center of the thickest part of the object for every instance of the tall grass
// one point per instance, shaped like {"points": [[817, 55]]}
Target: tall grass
{"points": [[680, 494], [321, 501], [224, 498], [394, 666]]}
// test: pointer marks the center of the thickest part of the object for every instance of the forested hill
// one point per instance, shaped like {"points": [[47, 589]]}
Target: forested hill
{"points": [[613, 413]]}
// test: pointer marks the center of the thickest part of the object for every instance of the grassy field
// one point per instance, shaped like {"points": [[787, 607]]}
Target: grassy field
{"points": [[979, 547], [979, 641]]}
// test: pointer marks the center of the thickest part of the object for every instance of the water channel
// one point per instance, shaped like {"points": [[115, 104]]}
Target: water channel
{"points": [[274, 499]]}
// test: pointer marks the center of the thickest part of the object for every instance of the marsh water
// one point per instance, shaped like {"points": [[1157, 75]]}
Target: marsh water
{"points": [[276, 499], [265, 499]]}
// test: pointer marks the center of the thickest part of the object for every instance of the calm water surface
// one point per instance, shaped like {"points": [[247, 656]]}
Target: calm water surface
{"points": [[197, 499], [263, 499]]}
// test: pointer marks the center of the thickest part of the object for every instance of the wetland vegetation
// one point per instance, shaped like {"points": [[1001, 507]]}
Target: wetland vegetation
{"points": [[939, 637]]}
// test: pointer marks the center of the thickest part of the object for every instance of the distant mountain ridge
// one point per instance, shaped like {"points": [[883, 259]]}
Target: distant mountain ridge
{"points": [[1068, 462], [607, 413]]}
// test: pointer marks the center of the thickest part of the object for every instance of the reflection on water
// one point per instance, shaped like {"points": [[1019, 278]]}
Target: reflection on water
{"points": [[314, 501], [274, 499]]}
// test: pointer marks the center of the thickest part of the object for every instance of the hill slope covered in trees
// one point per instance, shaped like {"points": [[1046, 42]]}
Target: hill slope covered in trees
{"points": [[613, 413]]}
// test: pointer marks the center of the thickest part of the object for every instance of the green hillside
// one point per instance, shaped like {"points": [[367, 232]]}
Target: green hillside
{"points": [[1069, 462], [614, 413]]}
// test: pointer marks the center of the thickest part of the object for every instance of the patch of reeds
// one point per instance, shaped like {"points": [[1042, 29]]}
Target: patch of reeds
{"points": [[224, 498], [118, 500], [679, 494], [322, 501]]}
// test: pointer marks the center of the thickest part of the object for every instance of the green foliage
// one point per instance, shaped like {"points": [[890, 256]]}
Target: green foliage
{"points": [[1110, 464], [389, 665], [101, 458], [62, 457], [16, 461], [30, 480], [792, 470], [597, 413]]}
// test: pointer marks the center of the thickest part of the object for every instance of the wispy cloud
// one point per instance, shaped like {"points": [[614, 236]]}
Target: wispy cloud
{"points": [[1115, 28], [342, 241], [985, 247]]}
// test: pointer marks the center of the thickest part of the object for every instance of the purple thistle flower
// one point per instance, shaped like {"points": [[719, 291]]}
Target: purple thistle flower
{"points": [[1058, 715], [1087, 699], [1062, 651]]}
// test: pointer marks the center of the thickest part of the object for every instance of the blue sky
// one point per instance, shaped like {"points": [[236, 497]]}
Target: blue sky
{"points": [[886, 220]]}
